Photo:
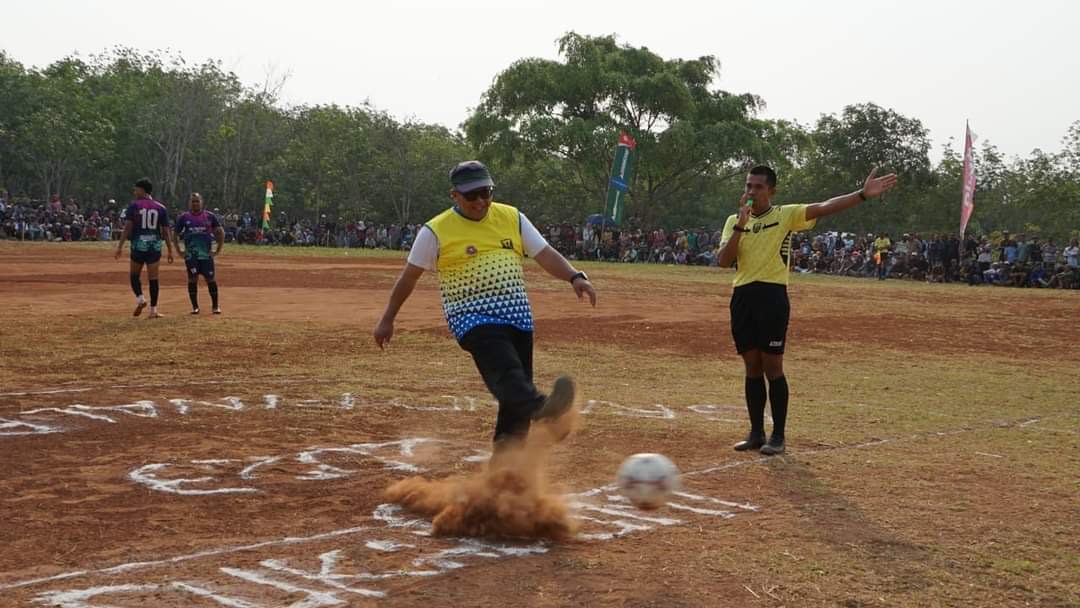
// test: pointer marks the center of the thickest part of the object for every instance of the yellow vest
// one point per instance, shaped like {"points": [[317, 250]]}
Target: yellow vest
{"points": [[480, 272]]}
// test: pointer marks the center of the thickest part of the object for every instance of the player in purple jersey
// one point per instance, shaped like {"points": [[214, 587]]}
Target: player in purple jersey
{"points": [[198, 229], [146, 223]]}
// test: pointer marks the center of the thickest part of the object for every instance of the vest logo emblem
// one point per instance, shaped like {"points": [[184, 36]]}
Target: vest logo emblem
{"points": [[507, 244]]}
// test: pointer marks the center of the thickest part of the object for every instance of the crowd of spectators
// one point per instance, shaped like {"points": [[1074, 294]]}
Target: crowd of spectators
{"points": [[996, 259], [57, 220]]}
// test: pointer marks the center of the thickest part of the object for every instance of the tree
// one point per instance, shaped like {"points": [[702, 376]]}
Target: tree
{"points": [[250, 134], [410, 163], [64, 134], [572, 111], [14, 92], [312, 166], [846, 147]]}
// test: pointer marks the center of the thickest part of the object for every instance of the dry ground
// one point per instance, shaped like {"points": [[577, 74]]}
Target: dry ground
{"points": [[239, 460]]}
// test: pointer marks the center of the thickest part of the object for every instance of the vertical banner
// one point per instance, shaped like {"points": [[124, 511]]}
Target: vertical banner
{"points": [[268, 205], [622, 172], [967, 203]]}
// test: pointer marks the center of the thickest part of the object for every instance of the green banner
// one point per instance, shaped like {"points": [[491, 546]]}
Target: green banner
{"points": [[622, 172]]}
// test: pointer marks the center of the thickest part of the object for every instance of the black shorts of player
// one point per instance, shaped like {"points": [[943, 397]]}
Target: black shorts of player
{"points": [[196, 267], [759, 317], [145, 257]]}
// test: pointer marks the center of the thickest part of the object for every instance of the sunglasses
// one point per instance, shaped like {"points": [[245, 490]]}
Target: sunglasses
{"points": [[484, 193]]}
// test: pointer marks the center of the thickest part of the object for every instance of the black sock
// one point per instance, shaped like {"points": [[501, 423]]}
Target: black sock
{"points": [[153, 292], [755, 403], [211, 286], [136, 285], [778, 398], [193, 295]]}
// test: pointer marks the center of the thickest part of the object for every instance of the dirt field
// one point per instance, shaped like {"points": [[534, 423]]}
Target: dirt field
{"points": [[933, 442]]}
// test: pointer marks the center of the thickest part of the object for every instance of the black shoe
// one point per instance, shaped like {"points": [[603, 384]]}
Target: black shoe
{"points": [[559, 401], [753, 441], [194, 311], [774, 447]]}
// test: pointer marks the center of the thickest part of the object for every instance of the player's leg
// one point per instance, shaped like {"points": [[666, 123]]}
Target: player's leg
{"points": [[775, 311], [192, 266], [134, 274], [744, 331], [754, 390], [496, 356], [155, 287], [561, 398], [206, 268], [778, 401], [562, 395]]}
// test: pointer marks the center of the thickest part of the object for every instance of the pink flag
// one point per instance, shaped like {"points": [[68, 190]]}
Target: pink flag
{"points": [[967, 204]]}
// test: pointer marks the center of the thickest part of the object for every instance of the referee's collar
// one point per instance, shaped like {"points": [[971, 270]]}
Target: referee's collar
{"points": [[767, 212]]}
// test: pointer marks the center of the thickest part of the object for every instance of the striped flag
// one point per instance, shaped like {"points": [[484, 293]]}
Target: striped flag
{"points": [[967, 202], [268, 205]]}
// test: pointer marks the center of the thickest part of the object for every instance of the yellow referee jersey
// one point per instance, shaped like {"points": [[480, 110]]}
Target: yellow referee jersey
{"points": [[764, 251]]}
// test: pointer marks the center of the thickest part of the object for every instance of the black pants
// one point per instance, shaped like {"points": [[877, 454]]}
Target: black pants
{"points": [[503, 354]]}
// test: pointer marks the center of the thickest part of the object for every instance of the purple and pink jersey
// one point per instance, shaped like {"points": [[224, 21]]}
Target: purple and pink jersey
{"points": [[197, 230], [149, 220]]}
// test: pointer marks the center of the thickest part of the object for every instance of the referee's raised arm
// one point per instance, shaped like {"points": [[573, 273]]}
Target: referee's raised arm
{"points": [[873, 187]]}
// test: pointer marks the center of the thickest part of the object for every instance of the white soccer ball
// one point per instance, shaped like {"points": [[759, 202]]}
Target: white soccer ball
{"points": [[648, 479]]}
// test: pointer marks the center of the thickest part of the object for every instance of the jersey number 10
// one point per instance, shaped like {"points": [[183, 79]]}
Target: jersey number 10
{"points": [[149, 218]]}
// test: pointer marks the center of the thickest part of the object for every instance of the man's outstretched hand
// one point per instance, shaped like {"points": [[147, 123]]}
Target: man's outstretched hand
{"points": [[875, 186]]}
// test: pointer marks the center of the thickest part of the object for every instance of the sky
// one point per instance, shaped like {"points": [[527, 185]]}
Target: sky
{"points": [[1010, 68]]}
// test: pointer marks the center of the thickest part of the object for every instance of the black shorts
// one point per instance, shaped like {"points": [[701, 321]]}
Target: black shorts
{"points": [[196, 267], [759, 317], [146, 257]]}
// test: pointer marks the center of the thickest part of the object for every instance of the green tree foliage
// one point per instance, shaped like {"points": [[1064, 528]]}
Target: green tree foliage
{"points": [[90, 127], [564, 117]]}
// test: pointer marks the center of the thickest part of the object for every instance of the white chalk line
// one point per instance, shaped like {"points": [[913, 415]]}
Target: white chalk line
{"points": [[288, 540], [261, 381], [83, 389], [387, 514], [586, 493], [35, 429]]}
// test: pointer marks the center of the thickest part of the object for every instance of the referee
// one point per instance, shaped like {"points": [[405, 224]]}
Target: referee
{"points": [[757, 240]]}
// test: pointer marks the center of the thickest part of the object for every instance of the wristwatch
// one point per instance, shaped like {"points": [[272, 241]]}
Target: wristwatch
{"points": [[737, 229], [578, 275], [861, 194]]}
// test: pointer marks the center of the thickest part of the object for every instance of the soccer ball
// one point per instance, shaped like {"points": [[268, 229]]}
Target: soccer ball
{"points": [[648, 479]]}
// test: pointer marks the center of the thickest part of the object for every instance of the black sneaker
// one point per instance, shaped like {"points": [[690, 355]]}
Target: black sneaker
{"points": [[559, 401], [753, 441], [194, 311], [774, 447]]}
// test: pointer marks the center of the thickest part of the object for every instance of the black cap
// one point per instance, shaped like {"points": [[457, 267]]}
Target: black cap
{"points": [[470, 175]]}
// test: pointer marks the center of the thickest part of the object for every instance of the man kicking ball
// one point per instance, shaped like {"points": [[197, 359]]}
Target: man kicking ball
{"points": [[477, 247]]}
